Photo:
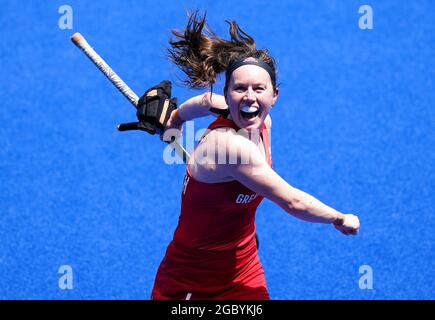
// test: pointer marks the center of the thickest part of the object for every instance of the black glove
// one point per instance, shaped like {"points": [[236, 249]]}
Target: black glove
{"points": [[153, 109]]}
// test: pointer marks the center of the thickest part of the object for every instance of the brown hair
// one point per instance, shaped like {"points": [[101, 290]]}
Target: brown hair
{"points": [[202, 55]]}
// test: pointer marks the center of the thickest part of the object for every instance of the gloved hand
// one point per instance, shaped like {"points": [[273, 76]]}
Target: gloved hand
{"points": [[153, 110]]}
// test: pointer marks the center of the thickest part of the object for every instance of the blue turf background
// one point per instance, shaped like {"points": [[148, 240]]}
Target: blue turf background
{"points": [[354, 126]]}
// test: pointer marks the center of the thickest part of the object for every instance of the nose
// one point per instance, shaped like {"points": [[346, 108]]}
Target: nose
{"points": [[250, 95]]}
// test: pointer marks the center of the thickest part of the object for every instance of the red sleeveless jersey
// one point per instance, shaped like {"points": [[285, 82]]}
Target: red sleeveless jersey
{"points": [[213, 254]]}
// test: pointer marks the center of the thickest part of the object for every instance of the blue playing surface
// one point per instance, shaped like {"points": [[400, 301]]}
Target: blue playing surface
{"points": [[354, 126]]}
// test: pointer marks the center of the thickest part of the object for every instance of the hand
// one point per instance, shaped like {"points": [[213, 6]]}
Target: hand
{"points": [[347, 224], [173, 127], [154, 108]]}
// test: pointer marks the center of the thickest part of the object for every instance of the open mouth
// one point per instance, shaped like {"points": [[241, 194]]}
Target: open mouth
{"points": [[249, 112]]}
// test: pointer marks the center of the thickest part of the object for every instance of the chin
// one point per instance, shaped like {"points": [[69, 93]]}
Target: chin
{"points": [[251, 124]]}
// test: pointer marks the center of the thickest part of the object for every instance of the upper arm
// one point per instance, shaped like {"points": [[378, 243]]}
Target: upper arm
{"points": [[212, 100], [199, 106], [258, 176]]}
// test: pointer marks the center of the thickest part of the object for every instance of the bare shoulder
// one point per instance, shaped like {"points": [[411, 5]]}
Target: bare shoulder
{"points": [[227, 142], [209, 158], [214, 100], [219, 151], [237, 148], [268, 122]]}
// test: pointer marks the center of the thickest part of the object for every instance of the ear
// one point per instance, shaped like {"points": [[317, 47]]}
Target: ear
{"points": [[275, 95]]}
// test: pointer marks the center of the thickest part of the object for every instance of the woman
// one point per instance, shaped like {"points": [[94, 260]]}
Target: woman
{"points": [[213, 254]]}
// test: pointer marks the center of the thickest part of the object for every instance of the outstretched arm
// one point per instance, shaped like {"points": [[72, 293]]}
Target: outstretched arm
{"points": [[261, 178]]}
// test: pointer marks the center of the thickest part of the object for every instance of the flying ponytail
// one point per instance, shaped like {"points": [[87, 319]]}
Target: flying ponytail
{"points": [[202, 55]]}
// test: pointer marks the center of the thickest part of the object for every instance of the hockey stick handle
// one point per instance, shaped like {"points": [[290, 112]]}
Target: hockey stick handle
{"points": [[99, 62]]}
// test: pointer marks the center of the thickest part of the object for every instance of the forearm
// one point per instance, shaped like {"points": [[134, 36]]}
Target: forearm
{"points": [[195, 107], [308, 208]]}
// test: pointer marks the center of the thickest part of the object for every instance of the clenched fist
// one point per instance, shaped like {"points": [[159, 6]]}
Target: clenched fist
{"points": [[347, 224]]}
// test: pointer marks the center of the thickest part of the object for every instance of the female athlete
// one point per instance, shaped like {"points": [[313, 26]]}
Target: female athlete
{"points": [[213, 254]]}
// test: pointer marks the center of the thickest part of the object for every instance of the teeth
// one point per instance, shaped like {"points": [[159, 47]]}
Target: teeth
{"points": [[249, 109]]}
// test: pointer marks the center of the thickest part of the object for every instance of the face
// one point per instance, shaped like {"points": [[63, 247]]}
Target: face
{"points": [[249, 96]]}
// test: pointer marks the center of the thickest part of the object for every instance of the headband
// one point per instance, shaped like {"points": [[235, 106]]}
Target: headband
{"points": [[238, 63]]}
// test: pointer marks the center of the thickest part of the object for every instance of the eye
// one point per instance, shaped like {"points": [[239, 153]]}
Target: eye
{"points": [[260, 89], [239, 89]]}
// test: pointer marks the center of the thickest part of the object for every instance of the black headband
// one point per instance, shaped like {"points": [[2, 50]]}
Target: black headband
{"points": [[238, 63]]}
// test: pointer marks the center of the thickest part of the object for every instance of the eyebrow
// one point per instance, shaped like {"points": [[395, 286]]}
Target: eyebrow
{"points": [[255, 84]]}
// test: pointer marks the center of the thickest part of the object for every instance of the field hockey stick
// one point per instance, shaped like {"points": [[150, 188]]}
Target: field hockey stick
{"points": [[82, 44]]}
